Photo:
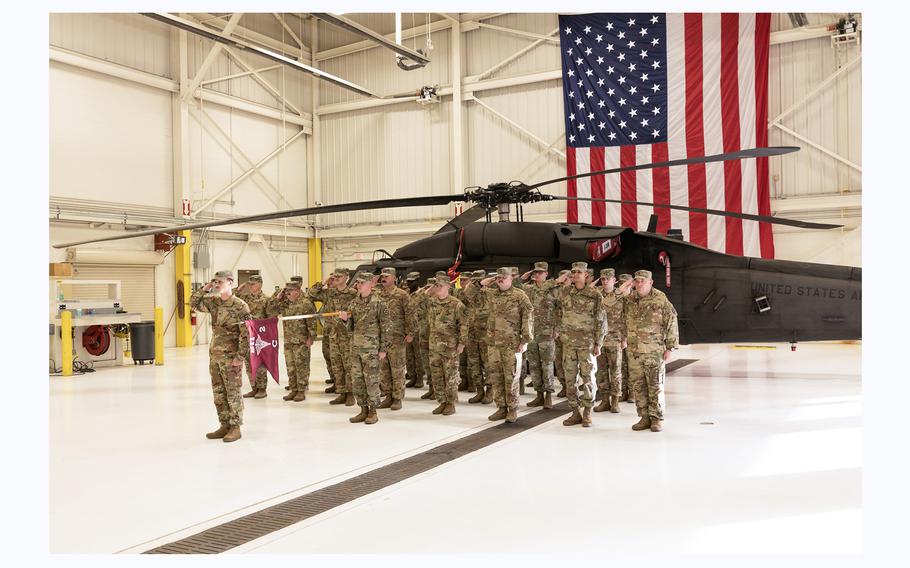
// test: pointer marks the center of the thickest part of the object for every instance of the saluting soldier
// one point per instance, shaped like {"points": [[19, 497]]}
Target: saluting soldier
{"points": [[420, 332], [655, 334], [336, 296], [228, 349], [464, 280], [625, 288], [448, 329], [414, 372], [272, 311], [510, 329], [609, 363], [367, 318], [582, 327], [392, 369], [564, 282], [251, 293], [471, 298], [298, 339], [541, 352]]}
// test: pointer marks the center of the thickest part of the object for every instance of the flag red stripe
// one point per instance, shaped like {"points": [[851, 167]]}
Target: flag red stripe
{"points": [[598, 187], [661, 184], [762, 44], [571, 186], [695, 137], [729, 105], [628, 187]]}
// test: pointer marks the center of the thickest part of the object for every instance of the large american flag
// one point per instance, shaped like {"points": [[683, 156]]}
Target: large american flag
{"points": [[642, 88]]}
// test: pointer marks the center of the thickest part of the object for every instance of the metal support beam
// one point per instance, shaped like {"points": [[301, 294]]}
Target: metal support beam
{"points": [[268, 255], [180, 119], [210, 58], [288, 29], [371, 35], [819, 147], [299, 53], [543, 152], [314, 152], [314, 258], [261, 80], [183, 276], [520, 53], [516, 126], [239, 75], [457, 122], [512, 31], [236, 181], [821, 86], [218, 37]]}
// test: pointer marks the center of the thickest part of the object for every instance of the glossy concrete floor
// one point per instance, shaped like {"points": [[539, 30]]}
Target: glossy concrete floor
{"points": [[761, 453]]}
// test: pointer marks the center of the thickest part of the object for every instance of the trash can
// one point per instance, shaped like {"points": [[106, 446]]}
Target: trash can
{"points": [[142, 339]]}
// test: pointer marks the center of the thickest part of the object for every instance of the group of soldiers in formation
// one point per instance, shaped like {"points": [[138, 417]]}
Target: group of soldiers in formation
{"points": [[606, 339]]}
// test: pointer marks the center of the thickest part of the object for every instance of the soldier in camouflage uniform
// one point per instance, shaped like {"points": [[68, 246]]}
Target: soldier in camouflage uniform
{"points": [[298, 339], [582, 327], [470, 297], [541, 352], [419, 330], [414, 372], [251, 293], [271, 308], [367, 318], [229, 348], [392, 369], [609, 363], [448, 330], [510, 329], [464, 280], [560, 372], [654, 335], [336, 295], [625, 288]]}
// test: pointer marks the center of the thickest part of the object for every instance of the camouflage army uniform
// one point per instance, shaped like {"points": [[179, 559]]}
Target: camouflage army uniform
{"points": [[335, 300], [257, 304], [229, 341], [560, 372], [458, 293], [412, 370], [509, 326], [654, 330], [472, 297], [418, 328], [542, 350], [296, 333], [393, 368], [609, 363], [413, 310], [448, 328], [370, 327], [479, 325], [628, 301], [582, 327]]}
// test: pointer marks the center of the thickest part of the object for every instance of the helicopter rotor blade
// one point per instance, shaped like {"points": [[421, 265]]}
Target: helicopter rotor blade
{"points": [[738, 155], [745, 216], [467, 217], [340, 208]]}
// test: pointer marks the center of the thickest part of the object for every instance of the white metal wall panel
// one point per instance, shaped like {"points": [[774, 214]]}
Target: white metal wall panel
{"points": [[128, 39], [137, 284], [486, 47]]}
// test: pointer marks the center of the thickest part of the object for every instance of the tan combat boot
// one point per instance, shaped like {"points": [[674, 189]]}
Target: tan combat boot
{"points": [[586, 417], [477, 397], [371, 418], [340, 399], [438, 409], [429, 394], [548, 400], [538, 401], [290, 395], [219, 433], [656, 425], [300, 396], [349, 399], [386, 402], [487, 395], [396, 404], [250, 394], [233, 435], [561, 393], [418, 384], [614, 404], [448, 409], [499, 414], [643, 424], [604, 404], [411, 382], [260, 394], [512, 415], [572, 420], [360, 417]]}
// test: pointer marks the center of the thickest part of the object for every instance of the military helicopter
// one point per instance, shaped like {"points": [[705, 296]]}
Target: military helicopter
{"points": [[720, 298]]}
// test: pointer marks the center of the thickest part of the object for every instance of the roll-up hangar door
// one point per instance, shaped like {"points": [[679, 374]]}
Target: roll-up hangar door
{"points": [[137, 285]]}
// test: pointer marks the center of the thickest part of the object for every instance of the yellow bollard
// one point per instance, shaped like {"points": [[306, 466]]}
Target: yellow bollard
{"points": [[66, 342], [159, 336]]}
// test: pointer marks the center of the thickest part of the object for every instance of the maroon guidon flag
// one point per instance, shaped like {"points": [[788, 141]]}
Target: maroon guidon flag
{"points": [[263, 346]]}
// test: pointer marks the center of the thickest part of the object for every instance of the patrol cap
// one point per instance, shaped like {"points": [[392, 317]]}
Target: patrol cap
{"points": [[293, 286], [442, 274], [341, 272], [591, 272], [625, 277], [297, 279], [388, 271], [541, 267], [466, 275], [479, 274], [441, 281], [608, 273], [515, 271], [579, 267], [564, 272], [225, 274], [643, 274], [503, 271], [363, 277], [412, 276]]}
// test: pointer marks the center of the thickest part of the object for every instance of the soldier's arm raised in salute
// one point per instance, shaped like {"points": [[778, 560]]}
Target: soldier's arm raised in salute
{"points": [[199, 302]]}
